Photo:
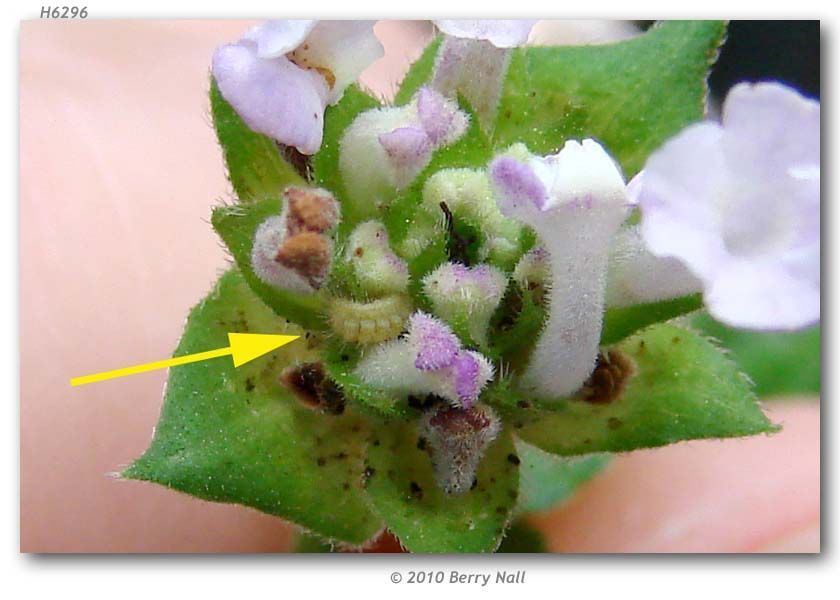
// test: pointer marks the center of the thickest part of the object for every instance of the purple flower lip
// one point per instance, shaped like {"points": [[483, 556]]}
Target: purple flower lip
{"points": [[437, 346], [518, 183], [467, 384]]}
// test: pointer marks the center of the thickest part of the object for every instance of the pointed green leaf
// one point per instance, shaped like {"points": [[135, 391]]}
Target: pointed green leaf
{"points": [[547, 479], [631, 95], [236, 435], [622, 322], [255, 168], [237, 224], [419, 73], [684, 388], [402, 490], [778, 363]]}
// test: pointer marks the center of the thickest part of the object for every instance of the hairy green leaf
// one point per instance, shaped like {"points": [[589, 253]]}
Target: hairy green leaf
{"points": [[778, 363], [419, 73], [631, 95], [236, 435], [547, 479], [622, 322], [403, 492], [682, 387], [255, 168]]}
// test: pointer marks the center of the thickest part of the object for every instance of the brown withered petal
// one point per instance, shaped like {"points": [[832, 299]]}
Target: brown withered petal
{"points": [[310, 209], [308, 254]]}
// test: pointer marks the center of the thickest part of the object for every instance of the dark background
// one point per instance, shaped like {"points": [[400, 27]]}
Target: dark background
{"points": [[788, 51]]}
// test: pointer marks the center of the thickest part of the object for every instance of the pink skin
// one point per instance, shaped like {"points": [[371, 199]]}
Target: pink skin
{"points": [[750, 495], [107, 227]]}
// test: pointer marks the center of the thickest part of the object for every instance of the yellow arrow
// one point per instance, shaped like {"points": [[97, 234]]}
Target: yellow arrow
{"points": [[244, 347]]}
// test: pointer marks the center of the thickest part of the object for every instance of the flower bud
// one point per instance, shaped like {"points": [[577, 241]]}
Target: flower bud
{"points": [[467, 295], [293, 251], [385, 149], [379, 271], [456, 440]]}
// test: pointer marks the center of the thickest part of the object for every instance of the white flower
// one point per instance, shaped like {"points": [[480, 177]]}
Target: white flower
{"points": [[576, 201], [473, 60], [504, 33], [428, 360], [636, 276], [282, 74], [739, 204]]}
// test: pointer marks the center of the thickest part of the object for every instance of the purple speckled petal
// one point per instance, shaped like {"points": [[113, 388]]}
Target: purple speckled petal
{"points": [[439, 117], [406, 146], [466, 373], [517, 183], [436, 345], [273, 96]]}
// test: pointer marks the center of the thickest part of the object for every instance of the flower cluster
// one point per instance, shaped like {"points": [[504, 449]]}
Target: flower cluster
{"points": [[728, 210]]}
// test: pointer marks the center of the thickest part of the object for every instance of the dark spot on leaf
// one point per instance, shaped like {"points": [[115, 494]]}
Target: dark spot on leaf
{"points": [[513, 459], [376, 443], [369, 472], [675, 340], [613, 423], [421, 443], [345, 486], [249, 385], [311, 386], [474, 483], [416, 490], [523, 404], [321, 461]]}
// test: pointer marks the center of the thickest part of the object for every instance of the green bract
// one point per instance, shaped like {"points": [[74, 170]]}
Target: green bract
{"points": [[238, 435]]}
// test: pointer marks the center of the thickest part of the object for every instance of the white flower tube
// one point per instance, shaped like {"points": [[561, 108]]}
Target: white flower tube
{"points": [[576, 201], [473, 59]]}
